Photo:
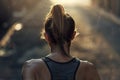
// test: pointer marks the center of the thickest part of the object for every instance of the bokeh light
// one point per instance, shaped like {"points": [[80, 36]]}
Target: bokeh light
{"points": [[18, 26], [2, 52]]}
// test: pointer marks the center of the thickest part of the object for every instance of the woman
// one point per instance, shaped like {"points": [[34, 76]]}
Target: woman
{"points": [[59, 65]]}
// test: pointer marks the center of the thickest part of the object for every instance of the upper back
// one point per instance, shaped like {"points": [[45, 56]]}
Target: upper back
{"points": [[36, 69]]}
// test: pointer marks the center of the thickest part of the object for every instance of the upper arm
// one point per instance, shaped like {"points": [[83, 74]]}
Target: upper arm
{"points": [[30, 70], [91, 72], [27, 72]]}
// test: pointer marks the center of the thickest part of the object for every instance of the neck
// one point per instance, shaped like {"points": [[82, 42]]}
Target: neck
{"points": [[56, 49]]}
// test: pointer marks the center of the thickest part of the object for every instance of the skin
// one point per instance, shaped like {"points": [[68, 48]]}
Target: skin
{"points": [[36, 69]]}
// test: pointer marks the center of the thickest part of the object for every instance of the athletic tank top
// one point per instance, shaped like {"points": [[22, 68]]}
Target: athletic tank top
{"points": [[62, 70]]}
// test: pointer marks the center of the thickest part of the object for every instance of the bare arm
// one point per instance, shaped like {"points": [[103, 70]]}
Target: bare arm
{"points": [[27, 72], [91, 73], [30, 70]]}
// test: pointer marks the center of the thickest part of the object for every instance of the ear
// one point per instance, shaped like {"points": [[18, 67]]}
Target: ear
{"points": [[46, 37], [73, 36]]}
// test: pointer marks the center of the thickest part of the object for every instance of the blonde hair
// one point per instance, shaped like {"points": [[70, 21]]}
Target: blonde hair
{"points": [[57, 13], [59, 26]]}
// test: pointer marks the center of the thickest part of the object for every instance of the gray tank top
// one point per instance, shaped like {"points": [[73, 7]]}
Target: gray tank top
{"points": [[62, 70]]}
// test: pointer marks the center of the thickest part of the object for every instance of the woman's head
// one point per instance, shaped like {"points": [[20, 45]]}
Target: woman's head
{"points": [[59, 27]]}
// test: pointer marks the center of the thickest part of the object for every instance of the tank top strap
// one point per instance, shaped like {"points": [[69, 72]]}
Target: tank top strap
{"points": [[62, 70]]}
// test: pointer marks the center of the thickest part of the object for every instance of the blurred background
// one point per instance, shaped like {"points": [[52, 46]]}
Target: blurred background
{"points": [[97, 24]]}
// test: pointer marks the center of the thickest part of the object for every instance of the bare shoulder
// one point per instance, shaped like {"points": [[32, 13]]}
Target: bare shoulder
{"points": [[32, 66], [33, 63], [88, 70], [86, 64]]}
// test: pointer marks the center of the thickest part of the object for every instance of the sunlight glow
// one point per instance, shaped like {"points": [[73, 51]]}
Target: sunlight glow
{"points": [[73, 2], [18, 26], [2, 52]]}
